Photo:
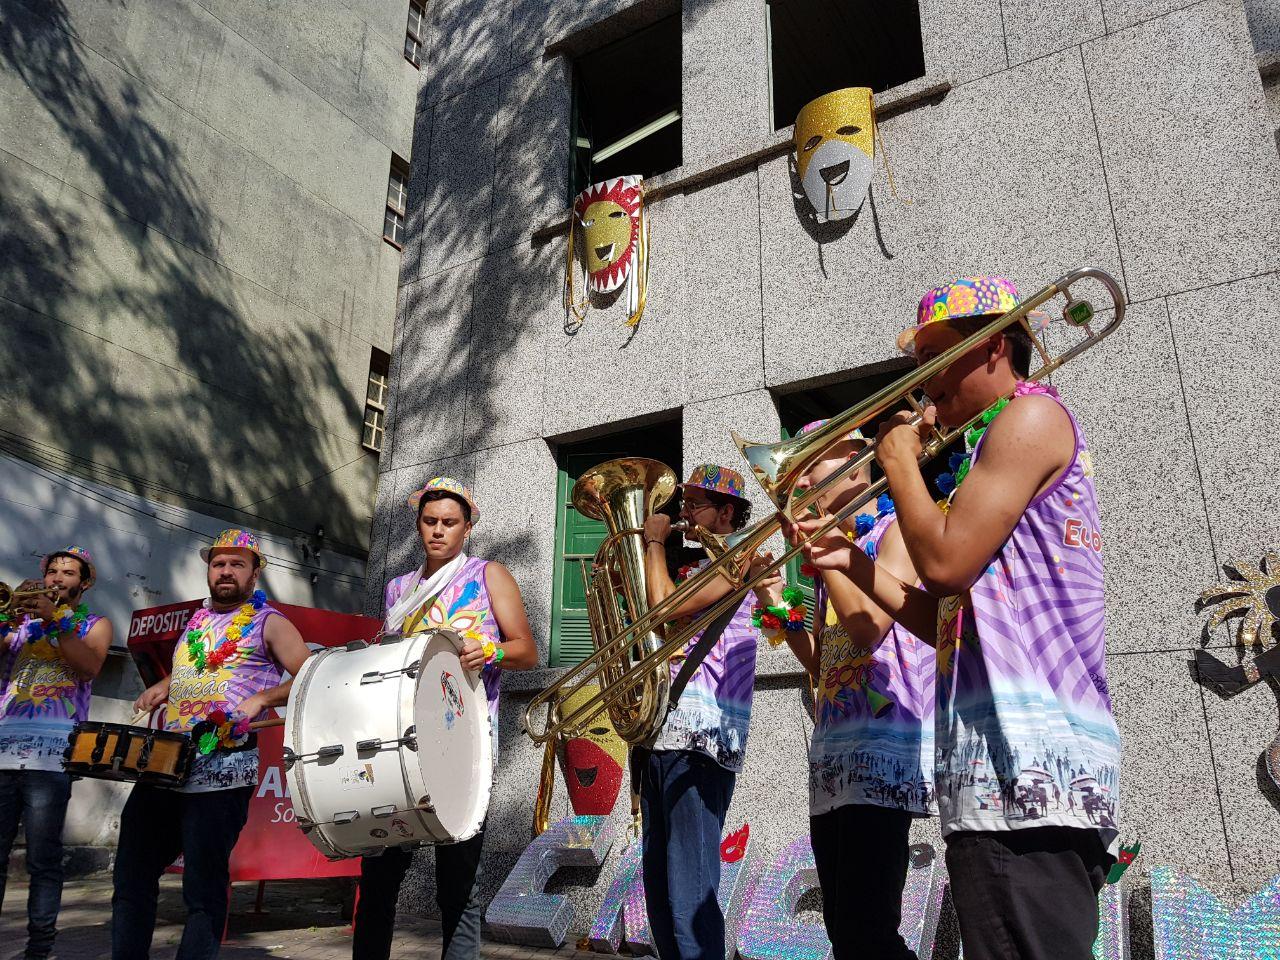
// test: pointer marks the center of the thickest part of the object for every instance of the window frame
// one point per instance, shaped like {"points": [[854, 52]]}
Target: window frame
{"points": [[397, 174], [417, 39], [379, 374]]}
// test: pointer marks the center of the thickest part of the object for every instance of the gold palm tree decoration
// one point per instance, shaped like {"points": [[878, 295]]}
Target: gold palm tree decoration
{"points": [[1248, 596]]}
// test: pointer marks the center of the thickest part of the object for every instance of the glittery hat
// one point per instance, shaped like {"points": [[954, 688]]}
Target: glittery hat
{"points": [[966, 297], [447, 485], [717, 479], [79, 553], [234, 538], [854, 434]]}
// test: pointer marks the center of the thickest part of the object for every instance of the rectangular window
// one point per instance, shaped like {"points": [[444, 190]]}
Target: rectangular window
{"points": [[578, 537], [416, 33], [627, 107], [375, 402], [397, 203], [817, 46]]}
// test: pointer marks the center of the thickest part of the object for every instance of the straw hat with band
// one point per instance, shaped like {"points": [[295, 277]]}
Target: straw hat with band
{"points": [[234, 539], [446, 485]]}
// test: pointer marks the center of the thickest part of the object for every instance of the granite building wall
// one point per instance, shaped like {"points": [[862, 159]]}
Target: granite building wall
{"points": [[1134, 136], [193, 271]]}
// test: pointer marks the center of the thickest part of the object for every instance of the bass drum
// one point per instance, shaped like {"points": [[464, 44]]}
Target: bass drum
{"points": [[388, 745]]}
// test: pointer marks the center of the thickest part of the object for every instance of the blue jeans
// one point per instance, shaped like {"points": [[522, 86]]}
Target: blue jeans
{"points": [[457, 896], [684, 796], [39, 799], [155, 827]]}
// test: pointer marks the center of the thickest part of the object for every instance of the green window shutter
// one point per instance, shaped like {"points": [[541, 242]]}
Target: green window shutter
{"points": [[577, 539]]}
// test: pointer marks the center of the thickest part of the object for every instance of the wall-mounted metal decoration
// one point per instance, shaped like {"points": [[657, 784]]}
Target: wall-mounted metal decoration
{"points": [[609, 243]]}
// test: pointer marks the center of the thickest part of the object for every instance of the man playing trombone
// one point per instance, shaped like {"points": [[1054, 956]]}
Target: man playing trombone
{"points": [[871, 756], [687, 776], [1021, 680]]}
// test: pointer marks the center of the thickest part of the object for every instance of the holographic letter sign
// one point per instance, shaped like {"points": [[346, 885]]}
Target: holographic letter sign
{"points": [[521, 912], [1192, 924], [771, 930], [623, 917]]}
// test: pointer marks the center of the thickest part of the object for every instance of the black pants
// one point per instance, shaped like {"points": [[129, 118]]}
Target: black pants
{"points": [[37, 798], [1027, 894], [457, 896], [155, 827], [861, 852]]}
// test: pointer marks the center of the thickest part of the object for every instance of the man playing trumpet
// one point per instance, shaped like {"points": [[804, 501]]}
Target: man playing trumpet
{"points": [[1014, 573], [688, 775]]}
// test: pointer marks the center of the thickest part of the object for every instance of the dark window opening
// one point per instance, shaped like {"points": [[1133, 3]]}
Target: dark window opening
{"points": [[578, 537], [627, 108], [817, 46]]}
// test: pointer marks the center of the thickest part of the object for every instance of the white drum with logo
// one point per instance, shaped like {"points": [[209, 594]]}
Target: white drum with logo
{"points": [[388, 745]]}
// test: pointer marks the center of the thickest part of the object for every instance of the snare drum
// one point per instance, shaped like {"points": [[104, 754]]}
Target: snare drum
{"points": [[388, 745], [118, 751]]}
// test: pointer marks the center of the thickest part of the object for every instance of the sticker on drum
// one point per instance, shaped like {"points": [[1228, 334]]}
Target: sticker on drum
{"points": [[378, 833], [453, 708], [353, 778], [402, 828]]}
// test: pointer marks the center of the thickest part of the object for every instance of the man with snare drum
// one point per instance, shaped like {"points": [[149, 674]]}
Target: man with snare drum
{"points": [[479, 600], [228, 659]]}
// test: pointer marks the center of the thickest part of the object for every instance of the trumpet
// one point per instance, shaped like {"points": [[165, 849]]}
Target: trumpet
{"points": [[779, 467], [11, 598]]}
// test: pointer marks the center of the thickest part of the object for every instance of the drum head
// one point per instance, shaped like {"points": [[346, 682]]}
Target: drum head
{"points": [[455, 753]]}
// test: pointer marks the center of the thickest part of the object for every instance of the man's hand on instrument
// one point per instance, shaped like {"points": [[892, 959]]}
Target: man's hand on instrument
{"points": [[656, 529], [900, 441], [769, 588], [152, 697], [252, 706], [832, 551], [38, 607], [472, 655]]}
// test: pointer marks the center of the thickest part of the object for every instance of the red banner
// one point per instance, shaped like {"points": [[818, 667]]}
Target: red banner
{"points": [[271, 847]]}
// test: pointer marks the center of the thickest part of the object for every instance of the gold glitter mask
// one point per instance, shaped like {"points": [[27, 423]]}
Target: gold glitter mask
{"points": [[609, 233], [834, 143]]}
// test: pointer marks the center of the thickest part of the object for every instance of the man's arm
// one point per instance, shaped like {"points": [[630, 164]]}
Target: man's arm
{"points": [[658, 580], [85, 655], [288, 649], [910, 606], [519, 652], [1025, 449], [864, 620]]}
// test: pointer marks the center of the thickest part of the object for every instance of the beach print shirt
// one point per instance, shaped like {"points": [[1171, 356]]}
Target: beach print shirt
{"points": [[462, 606], [194, 694], [714, 711], [873, 721], [1025, 732], [42, 700]]}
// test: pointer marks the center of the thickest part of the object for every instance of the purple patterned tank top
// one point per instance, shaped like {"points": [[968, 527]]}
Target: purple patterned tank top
{"points": [[463, 606], [873, 724], [42, 700], [714, 712], [194, 694], [1025, 733]]}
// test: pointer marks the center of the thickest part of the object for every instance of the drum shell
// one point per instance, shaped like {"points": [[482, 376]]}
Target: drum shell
{"points": [[330, 706], [124, 755]]}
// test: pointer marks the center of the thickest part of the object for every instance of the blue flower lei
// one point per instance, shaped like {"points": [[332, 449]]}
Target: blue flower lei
{"points": [[864, 523]]}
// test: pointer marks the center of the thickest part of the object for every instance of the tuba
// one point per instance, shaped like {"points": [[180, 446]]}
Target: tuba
{"points": [[779, 467]]}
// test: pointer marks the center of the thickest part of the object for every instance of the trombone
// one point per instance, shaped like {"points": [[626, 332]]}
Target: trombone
{"points": [[779, 467]]}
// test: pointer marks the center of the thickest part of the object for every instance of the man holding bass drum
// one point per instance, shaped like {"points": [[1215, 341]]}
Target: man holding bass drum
{"points": [[479, 599]]}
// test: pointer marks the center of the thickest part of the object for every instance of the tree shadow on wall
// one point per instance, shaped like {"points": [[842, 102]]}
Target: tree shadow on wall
{"points": [[128, 353]]}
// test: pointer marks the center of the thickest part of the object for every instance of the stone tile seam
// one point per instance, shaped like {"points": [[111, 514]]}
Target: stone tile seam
{"points": [[368, 23], [1106, 178], [178, 370], [344, 329], [1207, 286], [216, 130], [1154, 17], [306, 86], [1004, 33], [1213, 546]]}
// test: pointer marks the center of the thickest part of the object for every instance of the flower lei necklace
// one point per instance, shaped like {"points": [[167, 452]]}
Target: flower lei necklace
{"points": [[63, 620], [864, 523], [229, 646], [959, 463]]}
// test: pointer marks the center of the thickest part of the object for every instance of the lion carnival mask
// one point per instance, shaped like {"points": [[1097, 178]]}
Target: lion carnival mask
{"points": [[834, 143], [610, 231]]}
